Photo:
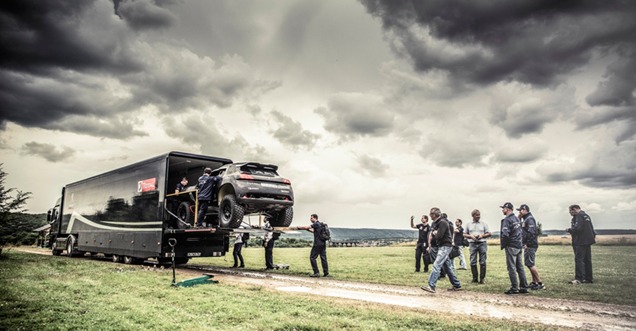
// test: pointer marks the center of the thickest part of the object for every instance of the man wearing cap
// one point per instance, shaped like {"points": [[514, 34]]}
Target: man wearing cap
{"points": [[476, 232], [583, 237], [530, 244], [511, 241]]}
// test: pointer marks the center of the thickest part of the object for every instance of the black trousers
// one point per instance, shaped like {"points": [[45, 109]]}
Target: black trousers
{"points": [[269, 254], [583, 263], [236, 252], [420, 252], [322, 251]]}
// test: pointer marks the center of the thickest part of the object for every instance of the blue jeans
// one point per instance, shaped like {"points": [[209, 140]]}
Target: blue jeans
{"points": [[480, 248], [514, 262], [442, 261]]}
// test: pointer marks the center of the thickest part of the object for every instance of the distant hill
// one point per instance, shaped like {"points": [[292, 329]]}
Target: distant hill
{"points": [[598, 231], [351, 234]]}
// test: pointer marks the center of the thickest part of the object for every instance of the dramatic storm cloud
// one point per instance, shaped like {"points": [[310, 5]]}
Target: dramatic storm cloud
{"points": [[47, 151], [368, 107]]}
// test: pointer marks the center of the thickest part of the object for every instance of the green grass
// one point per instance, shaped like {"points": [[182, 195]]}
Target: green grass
{"points": [[613, 272], [58, 293]]}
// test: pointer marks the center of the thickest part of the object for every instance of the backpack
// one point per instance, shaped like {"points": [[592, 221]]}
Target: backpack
{"points": [[323, 232]]}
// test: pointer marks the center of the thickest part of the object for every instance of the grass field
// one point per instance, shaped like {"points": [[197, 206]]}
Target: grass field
{"points": [[613, 272], [58, 293]]}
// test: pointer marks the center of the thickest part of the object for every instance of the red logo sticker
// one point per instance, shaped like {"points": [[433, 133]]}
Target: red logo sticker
{"points": [[147, 185]]}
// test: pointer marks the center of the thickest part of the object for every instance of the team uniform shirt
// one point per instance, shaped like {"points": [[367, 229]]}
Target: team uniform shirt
{"points": [[511, 235], [424, 230], [317, 241], [582, 230], [205, 186], [530, 231], [458, 238]]}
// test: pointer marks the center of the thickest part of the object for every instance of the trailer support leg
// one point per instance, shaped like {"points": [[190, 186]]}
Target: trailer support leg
{"points": [[173, 242]]}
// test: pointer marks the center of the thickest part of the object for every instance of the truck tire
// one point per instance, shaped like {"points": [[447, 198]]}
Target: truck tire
{"points": [[180, 260], [185, 213], [132, 260], [230, 213], [70, 247], [54, 249], [283, 218], [116, 258]]}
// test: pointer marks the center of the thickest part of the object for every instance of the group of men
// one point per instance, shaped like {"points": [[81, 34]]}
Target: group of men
{"points": [[319, 247], [518, 235]]}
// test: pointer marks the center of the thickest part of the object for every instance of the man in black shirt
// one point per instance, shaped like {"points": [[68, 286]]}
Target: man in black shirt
{"points": [[441, 239], [458, 241], [583, 237], [423, 230], [318, 249]]}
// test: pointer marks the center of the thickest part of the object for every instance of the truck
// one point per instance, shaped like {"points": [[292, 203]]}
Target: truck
{"points": [[133, 213]]}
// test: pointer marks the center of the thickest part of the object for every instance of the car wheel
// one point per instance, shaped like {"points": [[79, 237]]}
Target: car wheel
{"points": [[231, 213], [185, 214], [284, 217]]}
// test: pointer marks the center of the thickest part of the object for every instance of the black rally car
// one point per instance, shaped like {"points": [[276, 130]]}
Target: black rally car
{"points": [[250, 188]]}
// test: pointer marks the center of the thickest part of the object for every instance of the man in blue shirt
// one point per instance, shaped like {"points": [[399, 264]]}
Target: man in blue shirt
{"points": [[206, 186], [511, 241]]}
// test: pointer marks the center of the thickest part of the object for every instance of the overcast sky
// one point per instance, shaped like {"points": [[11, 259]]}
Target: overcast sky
{"points": [[375, 110]]}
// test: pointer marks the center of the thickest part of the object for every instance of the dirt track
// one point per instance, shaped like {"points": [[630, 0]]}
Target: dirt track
{"points": [[567, 313]]}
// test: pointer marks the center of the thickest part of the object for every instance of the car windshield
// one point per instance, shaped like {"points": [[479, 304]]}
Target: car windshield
{"points": [[253, 169]]}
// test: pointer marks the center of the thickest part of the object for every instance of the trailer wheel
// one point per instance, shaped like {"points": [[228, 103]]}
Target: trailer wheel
{"points": [[284, 217], [132, 260], [70, 250], [231, 213], [185, 213], [54, 249], [116, 258], [181, 260]]}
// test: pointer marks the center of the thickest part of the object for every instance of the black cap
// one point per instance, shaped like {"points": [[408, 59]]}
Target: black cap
{"points": [[507, 205], [524, 207]]}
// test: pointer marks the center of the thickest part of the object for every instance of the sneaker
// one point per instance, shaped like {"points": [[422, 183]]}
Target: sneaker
{"points": [[588, 282], [455, 289], [482, 281], [425, 270], [523, 290], [314, 275], [464, 268], [537, 287], [327, 275], [475, 281], [575, 282], [428, 289], [417, 270], [511, 291], [531, 285]]}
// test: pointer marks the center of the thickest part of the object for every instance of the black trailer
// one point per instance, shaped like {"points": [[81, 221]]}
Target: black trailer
{"points": [[130, 214]]}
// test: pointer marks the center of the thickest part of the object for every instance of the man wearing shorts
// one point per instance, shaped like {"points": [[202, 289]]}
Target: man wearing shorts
{"points": [[530, 245]]}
